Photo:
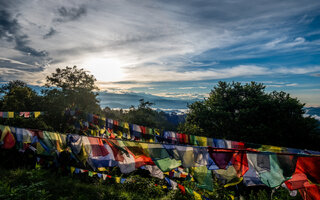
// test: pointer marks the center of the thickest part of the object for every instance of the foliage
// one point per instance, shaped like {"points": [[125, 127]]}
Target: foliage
{"points": [[232, 111], [72, 79], [47, 184], [247, 113], [69, 88], [19, 97]]}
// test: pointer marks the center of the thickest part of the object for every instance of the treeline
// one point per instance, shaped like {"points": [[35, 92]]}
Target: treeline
{"points": [[75, 89], [247, 113], [232, 111]]}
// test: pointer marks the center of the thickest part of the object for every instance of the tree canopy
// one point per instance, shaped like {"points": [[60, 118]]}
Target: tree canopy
{"points": [[247, 113], [72, 78]]}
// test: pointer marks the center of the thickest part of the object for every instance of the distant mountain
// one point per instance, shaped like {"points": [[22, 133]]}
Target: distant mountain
{"points": [[313, 112], [125, 100]]}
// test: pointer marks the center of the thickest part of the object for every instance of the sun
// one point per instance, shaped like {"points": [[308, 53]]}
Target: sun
{"points": [[105, 69]]}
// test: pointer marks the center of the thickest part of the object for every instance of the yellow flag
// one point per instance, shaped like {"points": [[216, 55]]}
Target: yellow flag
{"points": [[157, 131], [233, 183], [117, 179], [102, 169], [196, 195], [72, 169], [5, 130], [202, 141], [38, 166], [126, 125], [36, 114], [10, 114], [270, 148]]}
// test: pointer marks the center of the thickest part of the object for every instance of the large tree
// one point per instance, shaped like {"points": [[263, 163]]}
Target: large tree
{"points": [[73, 87], [17, 96], [247, 113], [70, 88]]}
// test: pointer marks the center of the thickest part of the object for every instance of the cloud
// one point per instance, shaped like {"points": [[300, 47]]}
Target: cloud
{"points": [[164, 73], [22, 61], [51, 33], [291, 84], [190, 88], [10, 30], [30, 77], [306, 19], [70, 14], [296, 70], [178, 95], [9, 63], [316, 117], [316, 74], [280, 84], [166, 40]]}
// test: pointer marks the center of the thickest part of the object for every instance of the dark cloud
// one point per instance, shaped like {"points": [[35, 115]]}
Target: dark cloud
{"points": [[21, 45], [13, 64], [10, 30], [316, 74], [70, 14], [8, 27], [51, 33]]}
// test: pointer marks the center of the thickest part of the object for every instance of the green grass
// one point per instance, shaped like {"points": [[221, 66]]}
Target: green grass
{"points": [[46, 184]]}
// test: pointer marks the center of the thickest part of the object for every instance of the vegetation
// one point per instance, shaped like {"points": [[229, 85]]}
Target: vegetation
{"points": [[232, 111], [47, 184], [19, 180], [247, 113]]}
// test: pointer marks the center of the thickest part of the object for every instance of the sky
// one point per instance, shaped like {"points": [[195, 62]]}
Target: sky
{"points": [[168, 49]]}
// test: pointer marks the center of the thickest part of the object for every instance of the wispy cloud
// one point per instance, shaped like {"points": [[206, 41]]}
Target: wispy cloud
{"points": [[180, 95], [166, 74], [316, 74], [70, 14], [51, 33], [10, 30]]}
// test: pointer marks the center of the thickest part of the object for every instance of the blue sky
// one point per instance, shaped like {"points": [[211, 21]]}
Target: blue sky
{"points": [[171, 49]]}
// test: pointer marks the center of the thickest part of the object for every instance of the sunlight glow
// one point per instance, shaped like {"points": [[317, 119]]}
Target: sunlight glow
{"points": [[105, 69]]}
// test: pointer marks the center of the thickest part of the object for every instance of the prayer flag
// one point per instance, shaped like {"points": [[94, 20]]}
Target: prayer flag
{"points": [[37, 114], [10, 114], [72, 169]]}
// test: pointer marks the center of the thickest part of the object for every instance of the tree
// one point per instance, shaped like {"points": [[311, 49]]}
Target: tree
{"points": [[17, 97], [71, 88], [72, 79], [74, 88], [247, 113]]}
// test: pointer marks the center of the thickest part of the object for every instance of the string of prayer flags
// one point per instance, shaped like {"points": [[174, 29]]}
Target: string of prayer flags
{"points": [[230, 166], [99, 175], [10, 114], [123, 130]]}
